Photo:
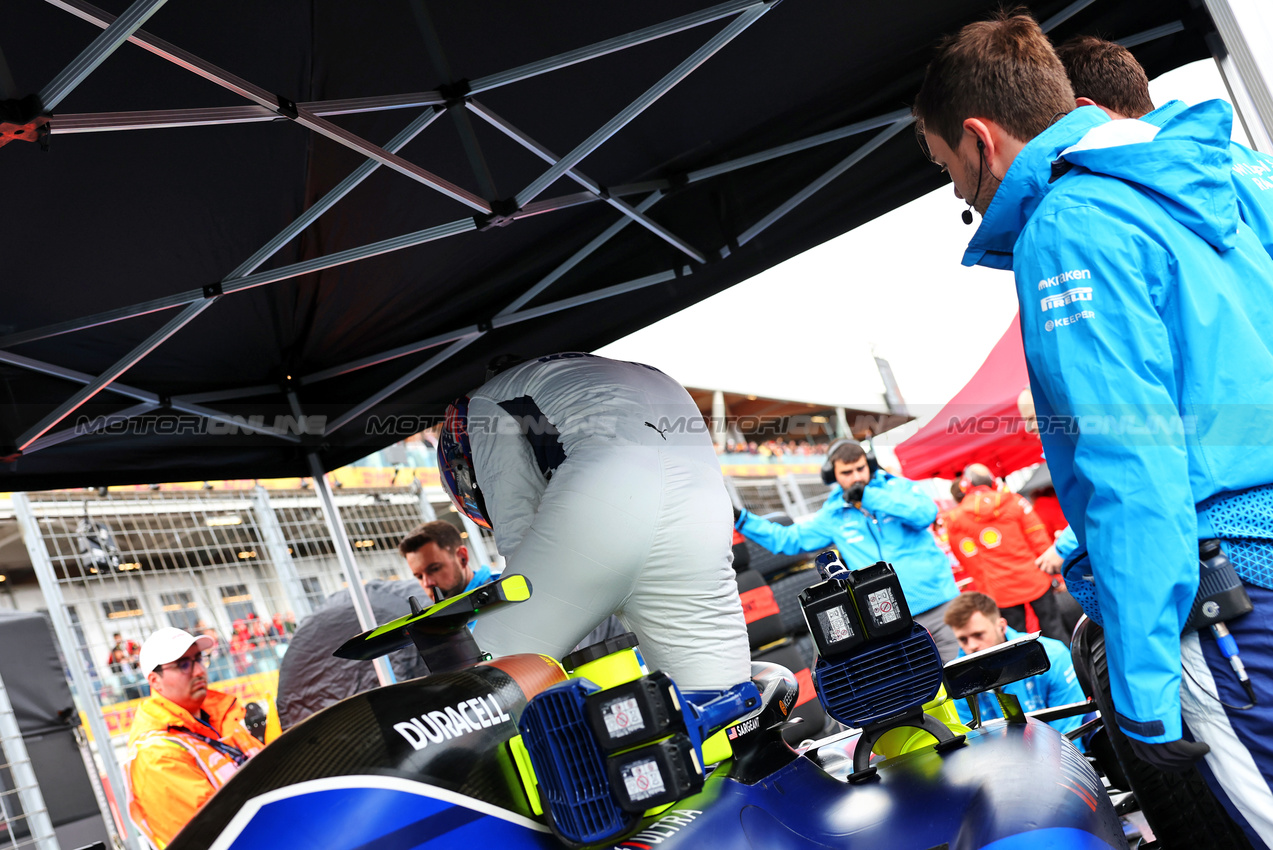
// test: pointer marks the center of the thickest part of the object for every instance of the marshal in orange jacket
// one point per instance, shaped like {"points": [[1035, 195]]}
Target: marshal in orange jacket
{"points": [[997, 535], [175, 763]]}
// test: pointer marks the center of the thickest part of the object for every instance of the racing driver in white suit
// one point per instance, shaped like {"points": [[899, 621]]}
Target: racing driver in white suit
{"points": [[601, 485]]}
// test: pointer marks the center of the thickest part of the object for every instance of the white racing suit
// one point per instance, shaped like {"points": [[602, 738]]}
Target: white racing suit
{"points": [[603, 488]]}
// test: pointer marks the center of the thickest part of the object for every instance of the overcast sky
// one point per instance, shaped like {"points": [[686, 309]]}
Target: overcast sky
{"points": [[806, 329]]}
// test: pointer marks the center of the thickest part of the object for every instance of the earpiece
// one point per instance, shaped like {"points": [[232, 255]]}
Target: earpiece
{"points": [[966, 215]]}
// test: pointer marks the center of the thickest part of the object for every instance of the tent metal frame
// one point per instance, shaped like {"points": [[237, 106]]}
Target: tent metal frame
{"points": [[268, 106]]}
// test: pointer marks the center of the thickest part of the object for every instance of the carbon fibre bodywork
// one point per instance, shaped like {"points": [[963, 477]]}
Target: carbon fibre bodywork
{"points": [[425, 764]]}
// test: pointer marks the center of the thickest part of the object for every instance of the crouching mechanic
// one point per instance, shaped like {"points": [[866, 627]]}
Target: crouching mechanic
{"points": [[186, 740], [975, 620], [602, 489], [872, 518]]}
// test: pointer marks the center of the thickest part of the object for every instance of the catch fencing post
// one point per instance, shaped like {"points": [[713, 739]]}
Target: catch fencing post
{"points": [[24, 781], [43, 566], [276, 543]]}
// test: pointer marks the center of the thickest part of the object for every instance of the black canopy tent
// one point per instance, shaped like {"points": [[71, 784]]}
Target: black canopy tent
{"points": [[265, 232]]}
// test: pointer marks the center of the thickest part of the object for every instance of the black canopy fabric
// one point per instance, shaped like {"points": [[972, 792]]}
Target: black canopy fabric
{"points": [[218, 125]]}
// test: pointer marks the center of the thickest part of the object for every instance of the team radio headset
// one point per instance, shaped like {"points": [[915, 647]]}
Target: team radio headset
{"points": [[828, 477]]}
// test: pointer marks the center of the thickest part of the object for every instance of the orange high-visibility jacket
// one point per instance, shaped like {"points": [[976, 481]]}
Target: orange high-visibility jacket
{"points": [[170, 772], [996, 536]]}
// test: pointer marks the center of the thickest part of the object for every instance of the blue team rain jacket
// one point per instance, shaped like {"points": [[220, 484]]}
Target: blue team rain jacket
{"points": [[1058, 686], [1147, 319], [892, 526]]}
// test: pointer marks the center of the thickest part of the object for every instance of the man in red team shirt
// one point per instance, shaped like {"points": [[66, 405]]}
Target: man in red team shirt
{"points": [[996, 535]]}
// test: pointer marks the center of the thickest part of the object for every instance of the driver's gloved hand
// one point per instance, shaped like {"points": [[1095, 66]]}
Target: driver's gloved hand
{"points": [[1173, 756], [738, 513], [855, 491]]}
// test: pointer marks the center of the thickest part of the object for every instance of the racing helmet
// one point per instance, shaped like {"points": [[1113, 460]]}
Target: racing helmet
{"points": [[455, 464]]}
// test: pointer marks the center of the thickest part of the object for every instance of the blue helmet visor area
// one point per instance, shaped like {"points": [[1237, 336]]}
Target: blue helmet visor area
{"points": [[455, 464]]}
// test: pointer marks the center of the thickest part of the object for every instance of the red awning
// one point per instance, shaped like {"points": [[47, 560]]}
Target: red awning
{"points": [[981, 423]]}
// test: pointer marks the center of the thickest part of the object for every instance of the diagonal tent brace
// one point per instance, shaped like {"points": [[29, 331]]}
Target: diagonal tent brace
{"points": [[588, 183], [468, 139], [513, 318], [92, 427], [28, 440], [427, 366], [190, 296], [121, 366], [145, 396], [611, 45], [662, 87], [264, 98], [820, 183], [88, 12], [95, 54], [242, 277], [159, 119], [473, 330]]}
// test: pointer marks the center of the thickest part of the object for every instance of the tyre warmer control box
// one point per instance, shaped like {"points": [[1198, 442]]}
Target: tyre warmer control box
{"points": [[602, 757]]}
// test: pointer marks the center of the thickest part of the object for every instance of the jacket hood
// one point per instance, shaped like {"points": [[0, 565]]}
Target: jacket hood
{"points": [[1186, 165], [1165, 113], [1023, 187]]}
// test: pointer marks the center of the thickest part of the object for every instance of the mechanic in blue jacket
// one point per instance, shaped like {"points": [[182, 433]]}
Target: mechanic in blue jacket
{"points": [[872, 518], [1148, 329], [1107, 75], [975, 620]]}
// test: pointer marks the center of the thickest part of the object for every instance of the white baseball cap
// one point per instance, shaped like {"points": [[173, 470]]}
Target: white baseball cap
{"points": [[169, 644]]}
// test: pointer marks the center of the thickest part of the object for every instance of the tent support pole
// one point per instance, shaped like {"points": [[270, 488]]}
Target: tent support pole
{"points": [[602, 48], [797, 146], [345, 555], [84, 689], [392, 354], [161, 119], [1245, 64]]}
